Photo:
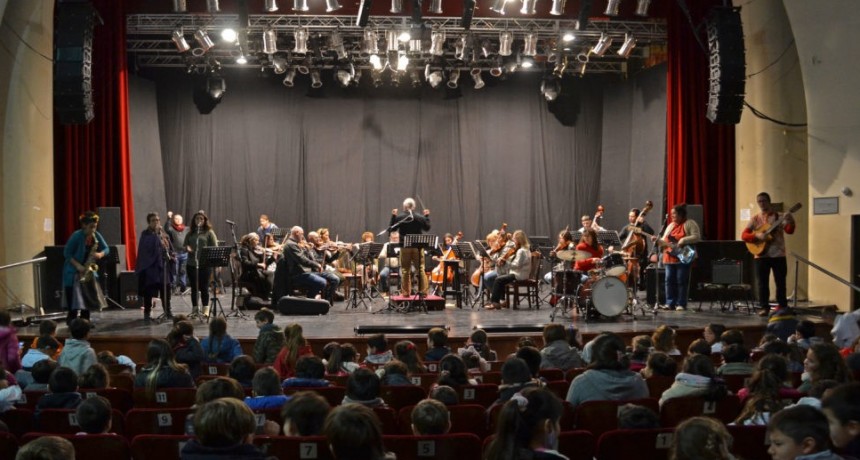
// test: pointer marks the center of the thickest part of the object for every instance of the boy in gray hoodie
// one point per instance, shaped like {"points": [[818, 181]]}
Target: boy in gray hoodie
{"points": [[77, 354]]}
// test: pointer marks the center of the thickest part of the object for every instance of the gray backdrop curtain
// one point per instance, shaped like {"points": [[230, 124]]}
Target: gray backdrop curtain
{"points": [[346, 159]]}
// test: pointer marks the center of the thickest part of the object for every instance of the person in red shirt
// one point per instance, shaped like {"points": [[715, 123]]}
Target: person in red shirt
{"points": [[588, 243], [773, 257]]}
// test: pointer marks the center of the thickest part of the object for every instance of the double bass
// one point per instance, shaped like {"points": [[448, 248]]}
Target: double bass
{"points": [[634, 246], [436, 276]]}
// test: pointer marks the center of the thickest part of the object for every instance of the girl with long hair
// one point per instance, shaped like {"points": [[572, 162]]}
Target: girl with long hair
{"points": [[162, 370], [765, 391], [186, 347], [220, 347], [823, 362], [406, 352], [200, 236], [698, 378], [528, 427], [295, 346]]}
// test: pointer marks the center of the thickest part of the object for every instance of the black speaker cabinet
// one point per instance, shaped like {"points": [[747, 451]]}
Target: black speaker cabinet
{"points": [[128, 296], [289, 305], [52, 279], [73, 56], [110, 224], [727, 65], [651, 284], [727, 271]]}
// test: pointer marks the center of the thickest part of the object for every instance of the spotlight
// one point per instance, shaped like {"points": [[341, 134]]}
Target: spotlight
{"points": [[180, 41], [345, 74], [363, 12], [437, 42], [289, 78], [627, 46], [612, 7], [229, 35], [476, 76], [530, 48], [300, 5], [395, 79], [316, 82], [376, 62], [496, 70], [528, 7], [506, 39], [568, 37], [468, 13], [212, 6], [376, 75], [279, 64], [526, 62], [332, 5], [511, 65], [435, 7], [402, 62], [453, 79], [396, 6], [460, 48], [404, 36], [202, 38], [216, 87], [304, 67], [415, 76], [370, 43], [336, 44], [499, 6], [179, 6], [301, 36], [557, 7], [642, 7], [433, 75], [270, 41], [550, 87], [559, 69], [416, 47], [391, 41], [602, 45], [486, 48], [241, 60], [271, 6]]}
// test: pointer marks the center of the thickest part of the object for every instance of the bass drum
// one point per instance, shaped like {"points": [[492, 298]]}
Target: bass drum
{"points": [[609, 296]]}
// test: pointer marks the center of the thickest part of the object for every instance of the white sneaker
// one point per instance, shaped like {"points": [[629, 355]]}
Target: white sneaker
{"points": [[679, 308]]}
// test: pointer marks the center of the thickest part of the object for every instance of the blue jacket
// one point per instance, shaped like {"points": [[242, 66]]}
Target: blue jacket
{"points": [[266, 402], [76, 248], [220, 350]]}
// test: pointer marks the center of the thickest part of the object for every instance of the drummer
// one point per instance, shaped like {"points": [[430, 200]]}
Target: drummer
{"points": [[591, 253], [565, 243]]}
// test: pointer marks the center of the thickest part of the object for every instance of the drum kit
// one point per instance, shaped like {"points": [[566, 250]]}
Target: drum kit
{"points": [[601, 293]]}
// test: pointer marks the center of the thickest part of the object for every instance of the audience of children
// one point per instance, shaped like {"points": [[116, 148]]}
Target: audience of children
{"points": [[394, 373], [47, 448], [479, 342], [823, 361], [800, 433], [516, 376], [640, 351], [766, 392], [453, 372], [444, 394], [10, 392], [354, 432], [635, 417], [95, 378], [700, 438], [220, 347], [223, 428], [557, 352], [712, 334], [430, 417], [736, 361], [377, 350], [841, 406], [62, 391], [162, 370], [699, 347], [242, 369], [309, 372], [304, 414], [10, 350], [406, 352], [295, 346], [41, 374], [77, 353], [608, 376], [270, 340], [528, 427], [664, 340], [94, 415], [697, 378], [266, 390], [437, 344], [363, 387]]}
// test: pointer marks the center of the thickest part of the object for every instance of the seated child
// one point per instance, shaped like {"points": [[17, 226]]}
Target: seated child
{"points": [[799, 433], [94, 415], [842, 409], [310, 372], [267, 392], [304, 414], [430, 417]]}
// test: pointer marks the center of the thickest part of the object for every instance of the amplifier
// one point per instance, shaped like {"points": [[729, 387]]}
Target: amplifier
{"points": [[652, 274], [727, 271]]}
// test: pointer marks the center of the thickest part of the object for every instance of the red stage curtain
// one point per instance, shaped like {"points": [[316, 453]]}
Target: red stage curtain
{"points": [[92, 163], [700, 155]]}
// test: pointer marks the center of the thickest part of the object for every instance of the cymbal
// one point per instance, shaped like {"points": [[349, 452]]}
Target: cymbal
{"points": [[567, 255]]}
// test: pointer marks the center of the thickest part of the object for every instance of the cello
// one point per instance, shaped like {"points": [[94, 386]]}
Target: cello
{"points": [[438, 272], [634, 246]]}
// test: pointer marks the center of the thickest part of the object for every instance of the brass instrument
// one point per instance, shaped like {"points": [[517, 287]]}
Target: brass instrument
{"points": [[90, 263]]}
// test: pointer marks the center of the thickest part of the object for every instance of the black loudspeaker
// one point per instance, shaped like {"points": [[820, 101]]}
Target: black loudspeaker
{"points": [[128, 296], [363, 12], [111, 267], [288, 305], [110, 224], [73, 56], [727, 66], [52, 279], [651, 275]]}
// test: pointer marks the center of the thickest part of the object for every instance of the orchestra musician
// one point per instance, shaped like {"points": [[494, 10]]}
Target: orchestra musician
{"points": [[302, 269], [588, 222], [325, 254], [84, 248], [636, 248], [154, 253], [201, 236], [266, 229], [565, 243], [410, 222], [517, 264], [253, 259], [371, 271], [681, 232], [389, 257], [588, 243]]}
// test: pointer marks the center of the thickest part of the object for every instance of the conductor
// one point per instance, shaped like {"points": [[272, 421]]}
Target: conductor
{"points": [[409, 222]]}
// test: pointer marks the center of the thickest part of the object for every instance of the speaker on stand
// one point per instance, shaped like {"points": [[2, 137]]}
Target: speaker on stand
{"points": [[727, 66], [73, 57]]}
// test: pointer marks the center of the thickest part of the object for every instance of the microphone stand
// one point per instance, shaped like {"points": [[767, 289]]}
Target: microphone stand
{"points": [[196, 313], [234, 309], [165, 294]]}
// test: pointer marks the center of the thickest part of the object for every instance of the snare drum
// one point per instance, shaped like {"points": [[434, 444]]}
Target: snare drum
{"points": [[613, 264], [608, 295], [566, 282]]}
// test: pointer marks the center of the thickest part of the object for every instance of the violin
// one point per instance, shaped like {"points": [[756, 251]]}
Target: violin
{"points": [[503, 238], [562, 245], [437, 273]]}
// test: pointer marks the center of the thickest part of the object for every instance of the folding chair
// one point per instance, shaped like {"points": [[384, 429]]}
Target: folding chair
{"points": [[483, 394], [119, 399]]}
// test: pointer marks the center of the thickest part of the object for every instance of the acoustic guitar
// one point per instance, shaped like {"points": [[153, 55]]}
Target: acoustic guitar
{"points": [[759, 247], [685, 254]]}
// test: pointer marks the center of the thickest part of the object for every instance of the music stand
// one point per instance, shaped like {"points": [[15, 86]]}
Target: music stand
{"points": [[539, 241], [215, 256], [113, 258], [480, 253], [420, 242], [608, 238], [366, 252]]}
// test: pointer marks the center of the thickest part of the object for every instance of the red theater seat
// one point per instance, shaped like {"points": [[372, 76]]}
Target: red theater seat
{"points": [[158, 446], [625, 444], [451, 446]]}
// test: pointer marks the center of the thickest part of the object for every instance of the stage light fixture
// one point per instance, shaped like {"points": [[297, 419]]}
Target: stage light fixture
{"points": [[612, 7], [506, 39], [229, 35], [404, 36], [529, 7], [271, 6], [486, 49], [460, 48], [560, 67], [180, 6], [391, 42], [526, 62], [627, 46], [435, 7], [216, 87], [376, 76], [499, 6], [454, 79], [642, 7], [511, 64], [568, 37], [468, 13], [396, 7], [416, 47], [602, 45], [212, 6], [402, 63], [300, 5], [304, 66], [370, 43], [301, 35], [363, 12], [316, 81], [496, 70], [345, 74], [437, 42], [550, 88], [180, 41], [202, 38], [336, 44], [394, 78], [557, 7], [241, 59], [279, 64], [434, 75], [530, 48], [270, 41], [332, 5], [415, 76], [476, 77], [376, 62], [289, 78]]}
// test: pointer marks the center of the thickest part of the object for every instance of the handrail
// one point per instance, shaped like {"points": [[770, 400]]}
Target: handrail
{"points": [[822, 270], [25, 262]]}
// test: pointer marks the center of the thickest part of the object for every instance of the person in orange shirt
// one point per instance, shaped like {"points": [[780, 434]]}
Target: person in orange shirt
{"points": [[680, 232]]}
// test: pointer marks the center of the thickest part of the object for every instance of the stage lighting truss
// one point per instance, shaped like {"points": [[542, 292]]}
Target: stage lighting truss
{"points": [[154, 41]]}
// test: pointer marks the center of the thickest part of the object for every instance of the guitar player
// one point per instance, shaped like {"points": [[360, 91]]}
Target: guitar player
{"points": [[772, 257], [679, 233]]}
